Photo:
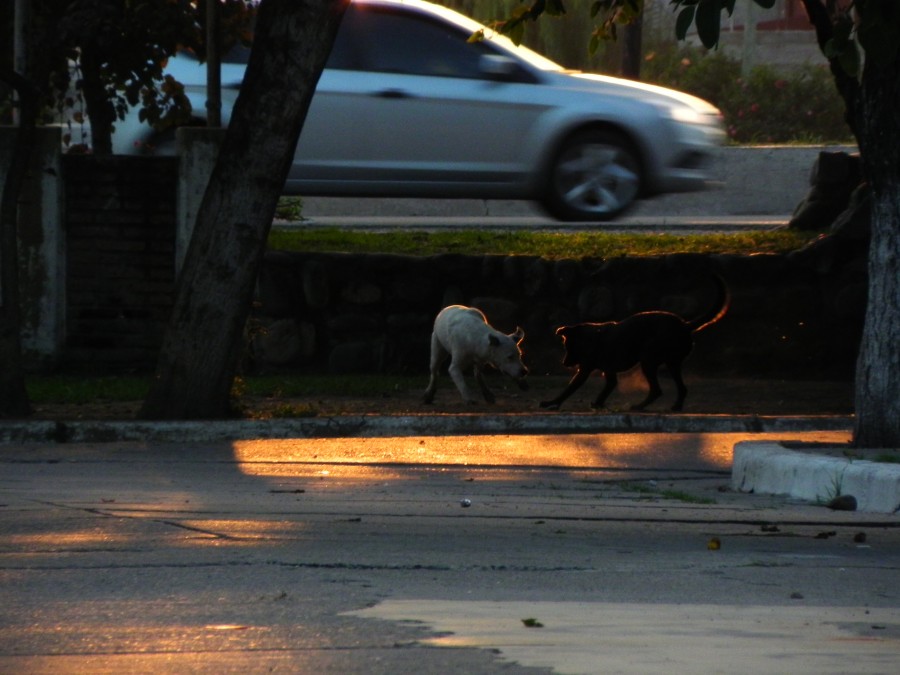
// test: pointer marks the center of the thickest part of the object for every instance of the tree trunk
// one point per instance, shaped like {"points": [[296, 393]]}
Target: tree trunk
{"points": [[201, 346], [13, 396], [632, 52], [878, 367], [97, 104]]}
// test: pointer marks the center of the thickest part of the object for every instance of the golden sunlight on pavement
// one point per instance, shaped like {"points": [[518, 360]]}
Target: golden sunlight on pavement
{"points": [[581, 451]]}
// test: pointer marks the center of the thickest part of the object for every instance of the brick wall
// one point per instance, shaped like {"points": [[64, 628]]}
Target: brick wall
{"points": [[120, 230]]}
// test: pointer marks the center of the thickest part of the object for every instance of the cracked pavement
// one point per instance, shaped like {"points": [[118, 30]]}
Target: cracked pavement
{"points": [[427, 554]]}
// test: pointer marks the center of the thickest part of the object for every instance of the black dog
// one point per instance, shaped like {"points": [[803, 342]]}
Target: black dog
{"points": [[649, 338]]}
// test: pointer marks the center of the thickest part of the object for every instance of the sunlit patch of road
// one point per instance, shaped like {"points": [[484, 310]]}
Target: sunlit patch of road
{"points": [[688, 451]]}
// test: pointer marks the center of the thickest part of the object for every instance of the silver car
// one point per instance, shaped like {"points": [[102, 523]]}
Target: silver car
{"points": [[409, 106]]}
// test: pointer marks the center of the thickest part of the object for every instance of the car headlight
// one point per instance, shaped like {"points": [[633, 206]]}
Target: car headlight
{"points": [[687, 115]]}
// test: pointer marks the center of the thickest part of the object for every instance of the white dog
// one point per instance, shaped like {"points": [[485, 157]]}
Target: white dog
{"points": [[463, 333]]}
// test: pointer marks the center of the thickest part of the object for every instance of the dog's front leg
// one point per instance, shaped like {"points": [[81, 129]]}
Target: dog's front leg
{"points": [[651, 373], [459, 378], [479, 378], [580, 377], [611, 381]]}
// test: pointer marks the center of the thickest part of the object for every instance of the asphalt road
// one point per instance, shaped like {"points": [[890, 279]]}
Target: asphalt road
{"points": [[438, 554], [751, 187]]}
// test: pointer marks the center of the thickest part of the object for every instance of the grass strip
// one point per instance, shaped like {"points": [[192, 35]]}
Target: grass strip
{"points": [[550, 245]]}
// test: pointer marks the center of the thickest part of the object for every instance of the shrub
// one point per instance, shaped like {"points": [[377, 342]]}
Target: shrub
{"points": [[766, 107]]}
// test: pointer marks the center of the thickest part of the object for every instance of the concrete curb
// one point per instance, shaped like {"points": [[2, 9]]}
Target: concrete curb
{"points": [[771, 468], [354, 426]]}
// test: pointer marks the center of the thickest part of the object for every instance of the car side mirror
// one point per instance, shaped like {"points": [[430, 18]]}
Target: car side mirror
{"points": [[497, 67]]}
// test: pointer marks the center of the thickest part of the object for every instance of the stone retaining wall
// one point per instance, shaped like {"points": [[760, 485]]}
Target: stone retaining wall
{"points": [[797, 315]]}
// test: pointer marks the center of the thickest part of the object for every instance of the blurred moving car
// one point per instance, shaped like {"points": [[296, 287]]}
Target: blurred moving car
{"points": [[408, 106]]}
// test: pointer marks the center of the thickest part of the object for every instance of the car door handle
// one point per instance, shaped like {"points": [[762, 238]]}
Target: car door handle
{"points": [[392, 93]]}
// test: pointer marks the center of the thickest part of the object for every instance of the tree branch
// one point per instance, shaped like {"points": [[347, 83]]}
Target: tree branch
{"points": [[847, 85]]}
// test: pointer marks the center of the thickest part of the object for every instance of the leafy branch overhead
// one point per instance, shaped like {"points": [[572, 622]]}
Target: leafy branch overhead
{"points": [[870, 27], [707, 16]]}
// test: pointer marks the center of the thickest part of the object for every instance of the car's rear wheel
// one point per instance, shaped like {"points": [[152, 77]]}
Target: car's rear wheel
{"points": [[596, 175]]}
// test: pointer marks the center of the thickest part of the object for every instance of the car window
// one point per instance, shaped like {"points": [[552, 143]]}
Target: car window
{"points": [[379, 40]]}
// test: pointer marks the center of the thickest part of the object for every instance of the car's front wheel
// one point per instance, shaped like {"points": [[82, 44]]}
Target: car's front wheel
{"points": [[596, 175]]}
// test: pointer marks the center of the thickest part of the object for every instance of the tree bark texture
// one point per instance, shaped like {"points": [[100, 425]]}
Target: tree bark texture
{"points": [[878, 368], [13, 395], [200, 349]]}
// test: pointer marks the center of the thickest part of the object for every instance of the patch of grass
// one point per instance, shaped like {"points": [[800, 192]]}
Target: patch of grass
{"points": [[80, 390], [289, 411], [686, 497], [287, 386], [289, 208], [641, 489], [550, 245], [650, 491]]}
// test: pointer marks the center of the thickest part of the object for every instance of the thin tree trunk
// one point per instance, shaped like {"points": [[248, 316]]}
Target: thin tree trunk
{"points": [[846, 84], [13, 396], [878, 367], [99, 108], [632, 52], [201, 346]]}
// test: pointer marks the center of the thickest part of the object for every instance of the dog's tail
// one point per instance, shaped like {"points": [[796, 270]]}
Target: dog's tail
{"points": [[719, 307]]}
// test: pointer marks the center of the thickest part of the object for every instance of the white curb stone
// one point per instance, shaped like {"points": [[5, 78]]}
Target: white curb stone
{"points": [[771, 468]]}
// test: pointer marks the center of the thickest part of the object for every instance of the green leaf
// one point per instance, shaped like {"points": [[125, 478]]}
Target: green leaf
{"points": [[555, 8], [708, 17], [516, 32], [841, 32], [849, 59], [519, 13], [683, 22]]}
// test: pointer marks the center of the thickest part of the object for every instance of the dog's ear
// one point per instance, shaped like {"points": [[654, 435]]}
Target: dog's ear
{"points": [[519, 335], [493, 340], [562, 330]]}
